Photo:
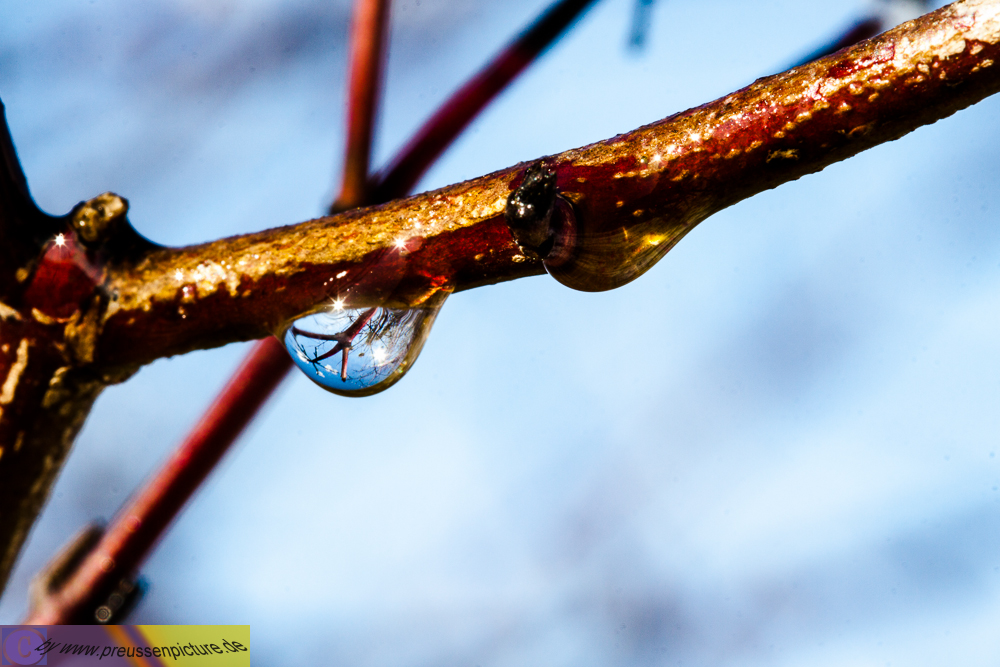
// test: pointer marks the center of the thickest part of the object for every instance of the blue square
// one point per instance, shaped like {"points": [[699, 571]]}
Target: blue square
{"points": [[18, 644]]}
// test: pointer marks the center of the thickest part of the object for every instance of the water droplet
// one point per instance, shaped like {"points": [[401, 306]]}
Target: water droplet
{"points": [[371, 325], [359, 351], [583, 251]]}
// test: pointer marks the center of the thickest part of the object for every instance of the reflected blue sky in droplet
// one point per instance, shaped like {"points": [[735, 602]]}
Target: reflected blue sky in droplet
{"points": [[774, 448], [358, 351]]}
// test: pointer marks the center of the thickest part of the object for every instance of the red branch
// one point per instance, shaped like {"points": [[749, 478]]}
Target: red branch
{"points": [[140, 523], [368, 39], [436, 135], [137, 527]]}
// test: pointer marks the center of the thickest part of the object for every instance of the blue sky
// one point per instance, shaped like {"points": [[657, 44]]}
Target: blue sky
{"points": [[777, 447]]}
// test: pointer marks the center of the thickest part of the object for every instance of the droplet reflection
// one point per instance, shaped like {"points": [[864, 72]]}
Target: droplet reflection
{"points": [[359, 352]]}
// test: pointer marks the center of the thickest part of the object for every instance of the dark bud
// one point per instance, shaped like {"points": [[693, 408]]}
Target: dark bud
{"points": [[99, 218], [101, 224], [529, 210]]}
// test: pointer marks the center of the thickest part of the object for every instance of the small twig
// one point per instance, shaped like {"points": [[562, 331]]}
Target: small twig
{"points": [[368, 40], [640, 24], [431, 140], [344, 340], [138, 526], [882, 18], [13, 184]]}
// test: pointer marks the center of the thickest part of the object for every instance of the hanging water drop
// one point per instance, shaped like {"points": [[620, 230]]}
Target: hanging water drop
{"points": [[359, 351], [591, 252]]}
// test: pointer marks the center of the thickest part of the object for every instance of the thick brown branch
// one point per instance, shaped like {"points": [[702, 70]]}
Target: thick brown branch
{"points": [[43, 403], [634, 197], [48, 380]]}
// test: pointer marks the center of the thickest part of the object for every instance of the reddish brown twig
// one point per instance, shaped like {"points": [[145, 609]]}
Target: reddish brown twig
{"points": [[368, 38], [139, 524], [440, 130], [344, 339]]}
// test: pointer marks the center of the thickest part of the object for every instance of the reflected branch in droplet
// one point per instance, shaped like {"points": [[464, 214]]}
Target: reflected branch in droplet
{"points": [[385, 342]]}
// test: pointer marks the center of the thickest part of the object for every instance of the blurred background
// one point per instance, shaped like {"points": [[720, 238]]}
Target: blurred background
{"points": [[775, 448]]}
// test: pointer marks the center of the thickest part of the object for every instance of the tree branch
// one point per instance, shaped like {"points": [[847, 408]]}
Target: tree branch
{"points": [[368, 39], [143, 519], [48, 380], [633, 198], [441, 129]]}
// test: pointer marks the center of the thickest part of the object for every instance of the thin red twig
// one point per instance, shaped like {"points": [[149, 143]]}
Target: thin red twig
{"points": [[138, 526], [140, 523], [345, 340], [368, 39], [431, 140]]}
